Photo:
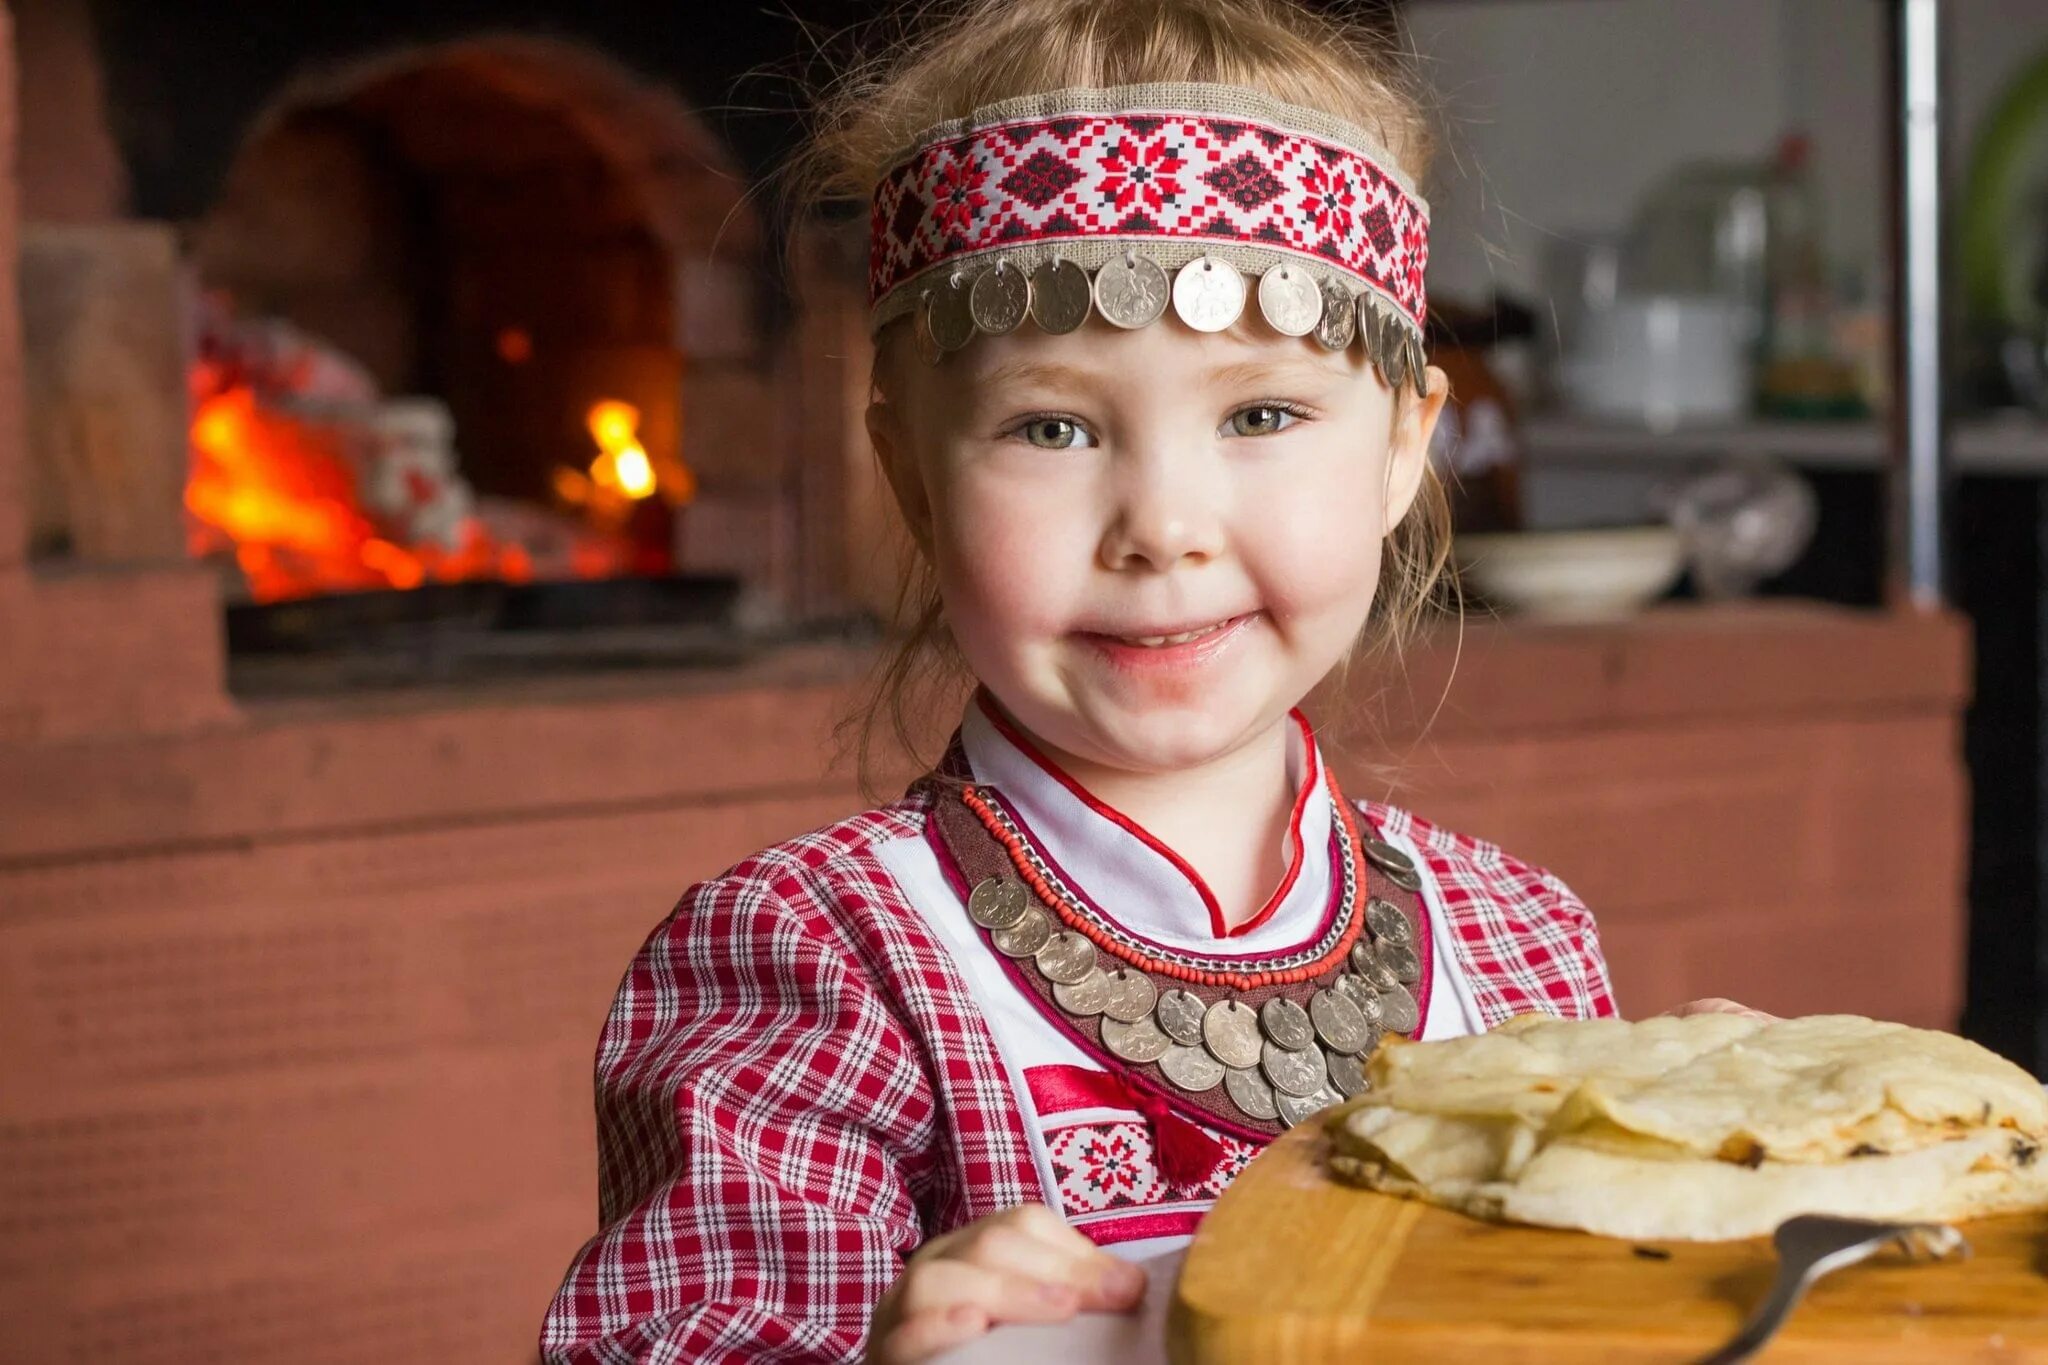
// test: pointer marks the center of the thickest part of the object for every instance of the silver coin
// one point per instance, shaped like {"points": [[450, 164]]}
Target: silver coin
{"points": [[928, 348], [1139, 1042], [1084, 997], [1402, 961], [1191, 1068], [1231, 1030], [1398, 1011], [1131, 292], [1131, 996], [1000, 299], [1066, 957], [1362, 996], [1387, 858], [1347, 1074], [1060, 296], [1338, 1022], [1292, 1072], [997, 904], [1026, 936], [1208, 294], [1286, 1023], [1393, 361], [1372, 328], [1387, 923], [1180, 1014], [952, 320], [1250, 1092], [1295, 1108], [1418, 367], [1338, 324], [1367, 964], [1290, 300]]}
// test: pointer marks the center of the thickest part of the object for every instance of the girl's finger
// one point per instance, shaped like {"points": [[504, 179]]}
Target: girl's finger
{"points": [[999, 1295], [1099, 1280], [919, 1338]]}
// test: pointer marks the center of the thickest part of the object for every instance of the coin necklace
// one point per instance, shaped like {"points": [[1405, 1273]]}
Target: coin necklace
{"points": [[1257, 1047]]}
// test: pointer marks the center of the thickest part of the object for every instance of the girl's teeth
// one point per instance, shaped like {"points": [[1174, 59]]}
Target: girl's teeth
{"points": [[1159, 641]]}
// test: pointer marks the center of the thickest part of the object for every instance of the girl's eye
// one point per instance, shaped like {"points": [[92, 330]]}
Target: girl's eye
{"points": [[1054, 433], [1262, 419]]}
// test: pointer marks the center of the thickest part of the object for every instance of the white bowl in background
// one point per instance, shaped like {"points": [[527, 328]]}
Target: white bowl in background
{"points": [[1572, 575]]}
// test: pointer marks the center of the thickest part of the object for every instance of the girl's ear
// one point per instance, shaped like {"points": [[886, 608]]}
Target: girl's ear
{"points": [[1408, 453], [900, 468]]}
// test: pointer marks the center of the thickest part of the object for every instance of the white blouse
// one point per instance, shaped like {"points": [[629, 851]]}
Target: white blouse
{"points": [[1095, 1161]]}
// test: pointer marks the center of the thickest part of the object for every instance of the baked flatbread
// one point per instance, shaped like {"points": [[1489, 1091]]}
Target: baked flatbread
{"points": [[1709, 1127]]}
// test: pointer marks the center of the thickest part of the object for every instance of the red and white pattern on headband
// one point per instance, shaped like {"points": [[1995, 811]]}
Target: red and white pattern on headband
{"points": [[1150, 176]]}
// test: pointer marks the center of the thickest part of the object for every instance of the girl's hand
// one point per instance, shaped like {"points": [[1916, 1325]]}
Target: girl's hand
{"points": [[1716, 1005], [1021, 1265]]}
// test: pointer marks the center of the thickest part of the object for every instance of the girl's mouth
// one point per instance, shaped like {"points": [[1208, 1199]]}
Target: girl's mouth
{"points": [[1181, 649]]}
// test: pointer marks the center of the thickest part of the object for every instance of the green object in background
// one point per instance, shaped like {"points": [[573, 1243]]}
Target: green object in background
{"points": [[2004, 228]]}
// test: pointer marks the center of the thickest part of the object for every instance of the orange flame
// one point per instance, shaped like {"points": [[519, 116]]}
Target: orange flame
{"points": [[621, 465], [282, 499]]}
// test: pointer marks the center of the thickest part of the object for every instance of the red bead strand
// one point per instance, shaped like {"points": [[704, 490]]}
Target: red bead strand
{"points": [[1052, 900]]}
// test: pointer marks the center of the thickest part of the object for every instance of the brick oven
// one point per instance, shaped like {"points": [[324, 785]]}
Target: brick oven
{"points": [[303, 954]]}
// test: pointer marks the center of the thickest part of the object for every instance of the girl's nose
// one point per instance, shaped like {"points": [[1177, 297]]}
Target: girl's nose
{"points": [[1165, 512]]}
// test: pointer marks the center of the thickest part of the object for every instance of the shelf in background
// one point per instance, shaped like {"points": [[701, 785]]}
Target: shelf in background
{"points": [[2011, 445]]}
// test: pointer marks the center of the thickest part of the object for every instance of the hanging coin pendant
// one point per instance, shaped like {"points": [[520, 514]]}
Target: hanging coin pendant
{"points": [[1286, 1023], [1084, 997], [1367, 964], [999, 300], [1347, 1076], [1394, 369], [1208, 295], [952, 322], [1060, 297], [1417, 367], [1361, 995], [928, 348], [1338, 1022], [1398, 866], [1372, 328], [997, 904], [1131, 996], [1131, 292], [1180, 1014], [1026, 936], [1230, 1028], [1250, 1092], [1139, 1042], [1338, 323], [1291, 300], [1191, 1068], [1292, 1072], [1402, 961], [1387, 922], [1294, 1109], [1397, 1009], [1066, 958]]}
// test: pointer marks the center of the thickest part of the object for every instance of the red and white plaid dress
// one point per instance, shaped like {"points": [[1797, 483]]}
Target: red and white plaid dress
{"points": [[814, 1065]]}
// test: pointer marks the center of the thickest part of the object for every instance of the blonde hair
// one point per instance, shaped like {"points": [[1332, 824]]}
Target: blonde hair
{"points": [[961, 56]]}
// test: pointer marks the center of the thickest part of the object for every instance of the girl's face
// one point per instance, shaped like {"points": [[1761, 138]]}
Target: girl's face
{"points": [[1151, 544]]}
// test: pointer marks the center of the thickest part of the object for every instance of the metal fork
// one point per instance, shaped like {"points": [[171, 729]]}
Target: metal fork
{"points": [[1812, 1245]]}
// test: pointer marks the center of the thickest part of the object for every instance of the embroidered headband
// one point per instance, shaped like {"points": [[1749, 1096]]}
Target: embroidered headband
{"points": [[1121, 200]]}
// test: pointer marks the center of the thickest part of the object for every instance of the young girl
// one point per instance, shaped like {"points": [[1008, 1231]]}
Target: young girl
{"points": [[1147, 283]]}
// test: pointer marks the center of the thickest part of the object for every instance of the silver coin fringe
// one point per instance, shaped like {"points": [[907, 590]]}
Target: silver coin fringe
{"points": [[1208, 293]]}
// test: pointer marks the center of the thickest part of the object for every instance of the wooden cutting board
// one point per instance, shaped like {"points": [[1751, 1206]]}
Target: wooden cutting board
{"points": [[1292, 1268]]}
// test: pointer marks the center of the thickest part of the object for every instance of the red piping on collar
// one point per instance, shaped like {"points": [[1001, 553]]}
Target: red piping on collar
{"points": [[1217, 927]]}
